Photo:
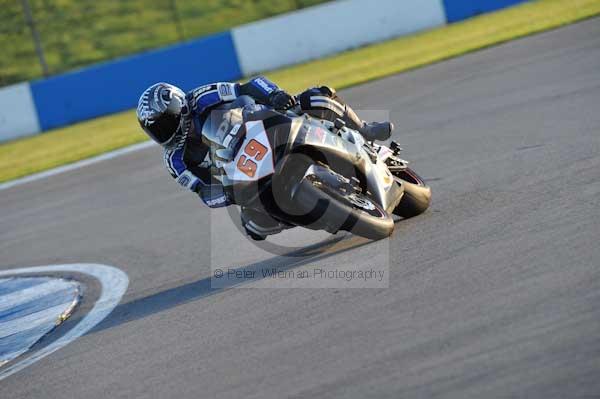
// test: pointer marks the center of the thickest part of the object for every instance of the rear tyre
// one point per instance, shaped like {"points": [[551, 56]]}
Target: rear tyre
{"points": [[417, 194], [333, 209]]}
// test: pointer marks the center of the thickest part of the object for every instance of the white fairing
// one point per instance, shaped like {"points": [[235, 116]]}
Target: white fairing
{"points": [[379, 178], [254, 160]]}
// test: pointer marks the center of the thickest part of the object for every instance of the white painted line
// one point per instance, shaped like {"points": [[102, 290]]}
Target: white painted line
{"points": [[77, 165], [113, 282]]}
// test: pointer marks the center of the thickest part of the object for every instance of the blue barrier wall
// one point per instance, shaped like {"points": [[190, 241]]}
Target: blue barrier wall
{"points": [[457, 10], [116, 86]]}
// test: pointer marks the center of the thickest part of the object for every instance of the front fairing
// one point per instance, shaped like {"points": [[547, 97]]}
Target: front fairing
{"points": [[348, 154], [260, 143]]}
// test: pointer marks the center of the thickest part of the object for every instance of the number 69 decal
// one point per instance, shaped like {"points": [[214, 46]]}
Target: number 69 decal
{"points": [[253, 151], [255, 160]]}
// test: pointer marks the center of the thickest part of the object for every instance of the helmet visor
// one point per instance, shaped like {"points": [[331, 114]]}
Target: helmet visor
{"points": [[163, 128]]}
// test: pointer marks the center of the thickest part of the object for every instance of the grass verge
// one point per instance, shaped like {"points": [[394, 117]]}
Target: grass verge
{"points": [[83, 140], [76, 33]]}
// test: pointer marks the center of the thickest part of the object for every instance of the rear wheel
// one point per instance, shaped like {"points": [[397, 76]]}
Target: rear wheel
{"points": [[417, 194], [328, 202]]}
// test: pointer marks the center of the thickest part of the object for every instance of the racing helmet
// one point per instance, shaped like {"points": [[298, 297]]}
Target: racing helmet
{"points": [[159, 111]]}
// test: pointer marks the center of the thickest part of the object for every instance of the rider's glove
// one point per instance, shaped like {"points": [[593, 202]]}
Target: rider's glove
{"points": [[280, 100]]}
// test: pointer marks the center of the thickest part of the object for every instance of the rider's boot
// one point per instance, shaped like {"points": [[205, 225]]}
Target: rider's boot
{"points": [[259, 225], [371, 131]]}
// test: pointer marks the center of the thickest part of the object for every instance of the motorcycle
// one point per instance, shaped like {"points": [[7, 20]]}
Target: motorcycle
{"points": [[304, 171]]}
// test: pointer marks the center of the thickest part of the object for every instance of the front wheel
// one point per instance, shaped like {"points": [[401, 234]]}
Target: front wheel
{"points": [[332, 207], [417, 194]]}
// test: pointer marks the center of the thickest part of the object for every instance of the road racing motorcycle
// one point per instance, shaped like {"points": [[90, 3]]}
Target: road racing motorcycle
{"points": [[314, 173]]}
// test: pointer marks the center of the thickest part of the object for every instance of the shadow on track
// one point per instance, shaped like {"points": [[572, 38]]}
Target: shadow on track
{"points": [[172, 297]]}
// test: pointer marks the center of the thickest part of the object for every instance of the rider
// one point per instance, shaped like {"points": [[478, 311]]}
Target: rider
{"points": [[174, 120]]}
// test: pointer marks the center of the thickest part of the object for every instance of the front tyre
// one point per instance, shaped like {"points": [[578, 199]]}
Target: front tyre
{"points": [[417, 194]]}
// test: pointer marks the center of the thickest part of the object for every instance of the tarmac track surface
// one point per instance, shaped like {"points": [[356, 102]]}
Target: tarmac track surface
{"points": [[492, 293]]}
